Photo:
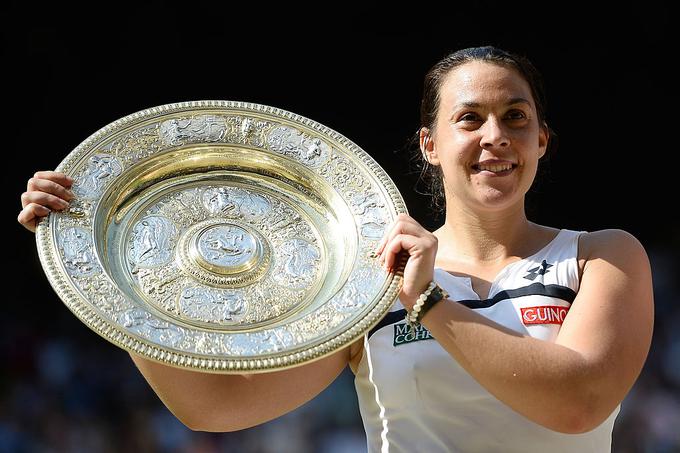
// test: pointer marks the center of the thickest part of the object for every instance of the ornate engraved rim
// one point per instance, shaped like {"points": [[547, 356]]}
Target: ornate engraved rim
{"points": [[54, 270]]}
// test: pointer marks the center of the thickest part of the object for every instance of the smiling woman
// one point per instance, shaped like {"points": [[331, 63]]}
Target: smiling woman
{"points": [[527, 99], [506, 336], [541, 353]]}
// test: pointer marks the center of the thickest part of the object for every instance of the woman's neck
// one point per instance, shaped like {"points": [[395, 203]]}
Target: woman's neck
{"points": [[485, 237]]}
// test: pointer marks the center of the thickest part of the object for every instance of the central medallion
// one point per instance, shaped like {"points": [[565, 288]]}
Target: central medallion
{"points": [[224, 252], [226, 249]]}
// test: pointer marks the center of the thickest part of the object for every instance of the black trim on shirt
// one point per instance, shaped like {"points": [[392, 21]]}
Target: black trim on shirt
{"points": [[535, 289], [392, 317]]}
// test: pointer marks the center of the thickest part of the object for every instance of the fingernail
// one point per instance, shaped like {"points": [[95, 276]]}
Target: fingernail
{"points": [[70, 194]]}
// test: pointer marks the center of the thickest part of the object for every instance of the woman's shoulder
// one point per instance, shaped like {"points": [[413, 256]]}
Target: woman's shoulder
{"points": [[614, 245]]}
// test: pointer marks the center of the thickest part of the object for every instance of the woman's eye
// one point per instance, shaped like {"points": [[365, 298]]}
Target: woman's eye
{"points": [[515, 115], [469, 117]]}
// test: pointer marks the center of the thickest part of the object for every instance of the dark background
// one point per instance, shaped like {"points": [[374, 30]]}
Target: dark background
{"points": [[68, 72]]}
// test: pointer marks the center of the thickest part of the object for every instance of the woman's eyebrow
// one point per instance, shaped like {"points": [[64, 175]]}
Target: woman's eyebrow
{"points": [[518, 101], [472, 104]]}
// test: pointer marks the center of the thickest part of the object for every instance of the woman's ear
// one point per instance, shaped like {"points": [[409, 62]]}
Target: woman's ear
{"points": [[427, 146], [543, 139]]}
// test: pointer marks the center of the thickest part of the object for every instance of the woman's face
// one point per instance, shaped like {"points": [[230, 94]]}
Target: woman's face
{"points": [[487, 138]]}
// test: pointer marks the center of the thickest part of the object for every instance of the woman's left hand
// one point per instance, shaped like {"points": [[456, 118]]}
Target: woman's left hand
{"points": [[407, 235]]}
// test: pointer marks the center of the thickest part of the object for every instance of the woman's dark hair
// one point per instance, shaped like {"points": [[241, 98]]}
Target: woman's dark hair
{"points": [[432, 175]]}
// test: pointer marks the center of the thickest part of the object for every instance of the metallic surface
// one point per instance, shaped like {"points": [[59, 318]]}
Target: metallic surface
{"points": [[223, 237]]}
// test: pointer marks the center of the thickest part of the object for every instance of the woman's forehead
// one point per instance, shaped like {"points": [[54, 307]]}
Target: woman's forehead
{"points": [[481, 82]]}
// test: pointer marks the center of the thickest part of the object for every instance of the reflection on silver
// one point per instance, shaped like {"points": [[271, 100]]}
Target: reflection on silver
{"points": [[211, 305], [152, 241], [203, 128], [226, 245], [100, 169], [79, 258], [298, 265]]}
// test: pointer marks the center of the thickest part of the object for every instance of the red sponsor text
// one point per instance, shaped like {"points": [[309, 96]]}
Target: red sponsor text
{"points": [[548, 314]]}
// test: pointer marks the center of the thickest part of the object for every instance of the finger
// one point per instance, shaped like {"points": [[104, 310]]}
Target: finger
{"points": [[55, 176], [386, 236], [403, 224], [44, 199], [401, 242], [31, 214], [50, 187]]}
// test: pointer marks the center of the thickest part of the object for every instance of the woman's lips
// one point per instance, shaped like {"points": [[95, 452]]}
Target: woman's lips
{"points": [[495, 168]]}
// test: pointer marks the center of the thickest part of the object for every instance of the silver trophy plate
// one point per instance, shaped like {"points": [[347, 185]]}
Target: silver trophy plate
{"points": [[223, 237]]}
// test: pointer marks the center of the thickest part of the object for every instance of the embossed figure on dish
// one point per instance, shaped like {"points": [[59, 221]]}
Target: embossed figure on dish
{"points": [[227, 246], [198, 128], [100, 170], [247, 130], [152, 241], [79, 256], [370, 212], [212, 305], [311, 151]]}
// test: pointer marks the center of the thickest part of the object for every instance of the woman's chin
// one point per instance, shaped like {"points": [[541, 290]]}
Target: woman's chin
{"points": [[495, 200]]}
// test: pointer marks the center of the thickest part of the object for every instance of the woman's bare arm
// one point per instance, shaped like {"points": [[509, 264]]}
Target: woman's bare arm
{"points": [[222, 402], [574, 384]]}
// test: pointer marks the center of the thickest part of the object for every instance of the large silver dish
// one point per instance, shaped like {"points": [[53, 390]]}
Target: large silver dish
{"points": [[222, 237]]}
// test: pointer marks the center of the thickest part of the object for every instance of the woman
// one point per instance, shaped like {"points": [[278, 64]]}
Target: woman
{"points": [[519, 337]]}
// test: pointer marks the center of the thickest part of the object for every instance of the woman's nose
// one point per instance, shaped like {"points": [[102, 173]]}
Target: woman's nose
{"points": [[493, 134]]}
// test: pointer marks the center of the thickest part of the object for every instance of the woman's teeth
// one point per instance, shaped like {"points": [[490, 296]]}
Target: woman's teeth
{"points": [[496, 168]]}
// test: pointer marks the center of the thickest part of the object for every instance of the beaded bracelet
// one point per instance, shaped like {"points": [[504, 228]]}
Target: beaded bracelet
{"points": [[433, 294]]}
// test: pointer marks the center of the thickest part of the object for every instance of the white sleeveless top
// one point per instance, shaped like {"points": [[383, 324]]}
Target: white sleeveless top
{"points": [[414, 397]]}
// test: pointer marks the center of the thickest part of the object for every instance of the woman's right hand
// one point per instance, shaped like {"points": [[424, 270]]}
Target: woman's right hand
{"points": [[46, 191]]}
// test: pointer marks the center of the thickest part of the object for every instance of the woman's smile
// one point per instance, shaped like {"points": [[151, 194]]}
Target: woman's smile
{"points": [[494, 168]]}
